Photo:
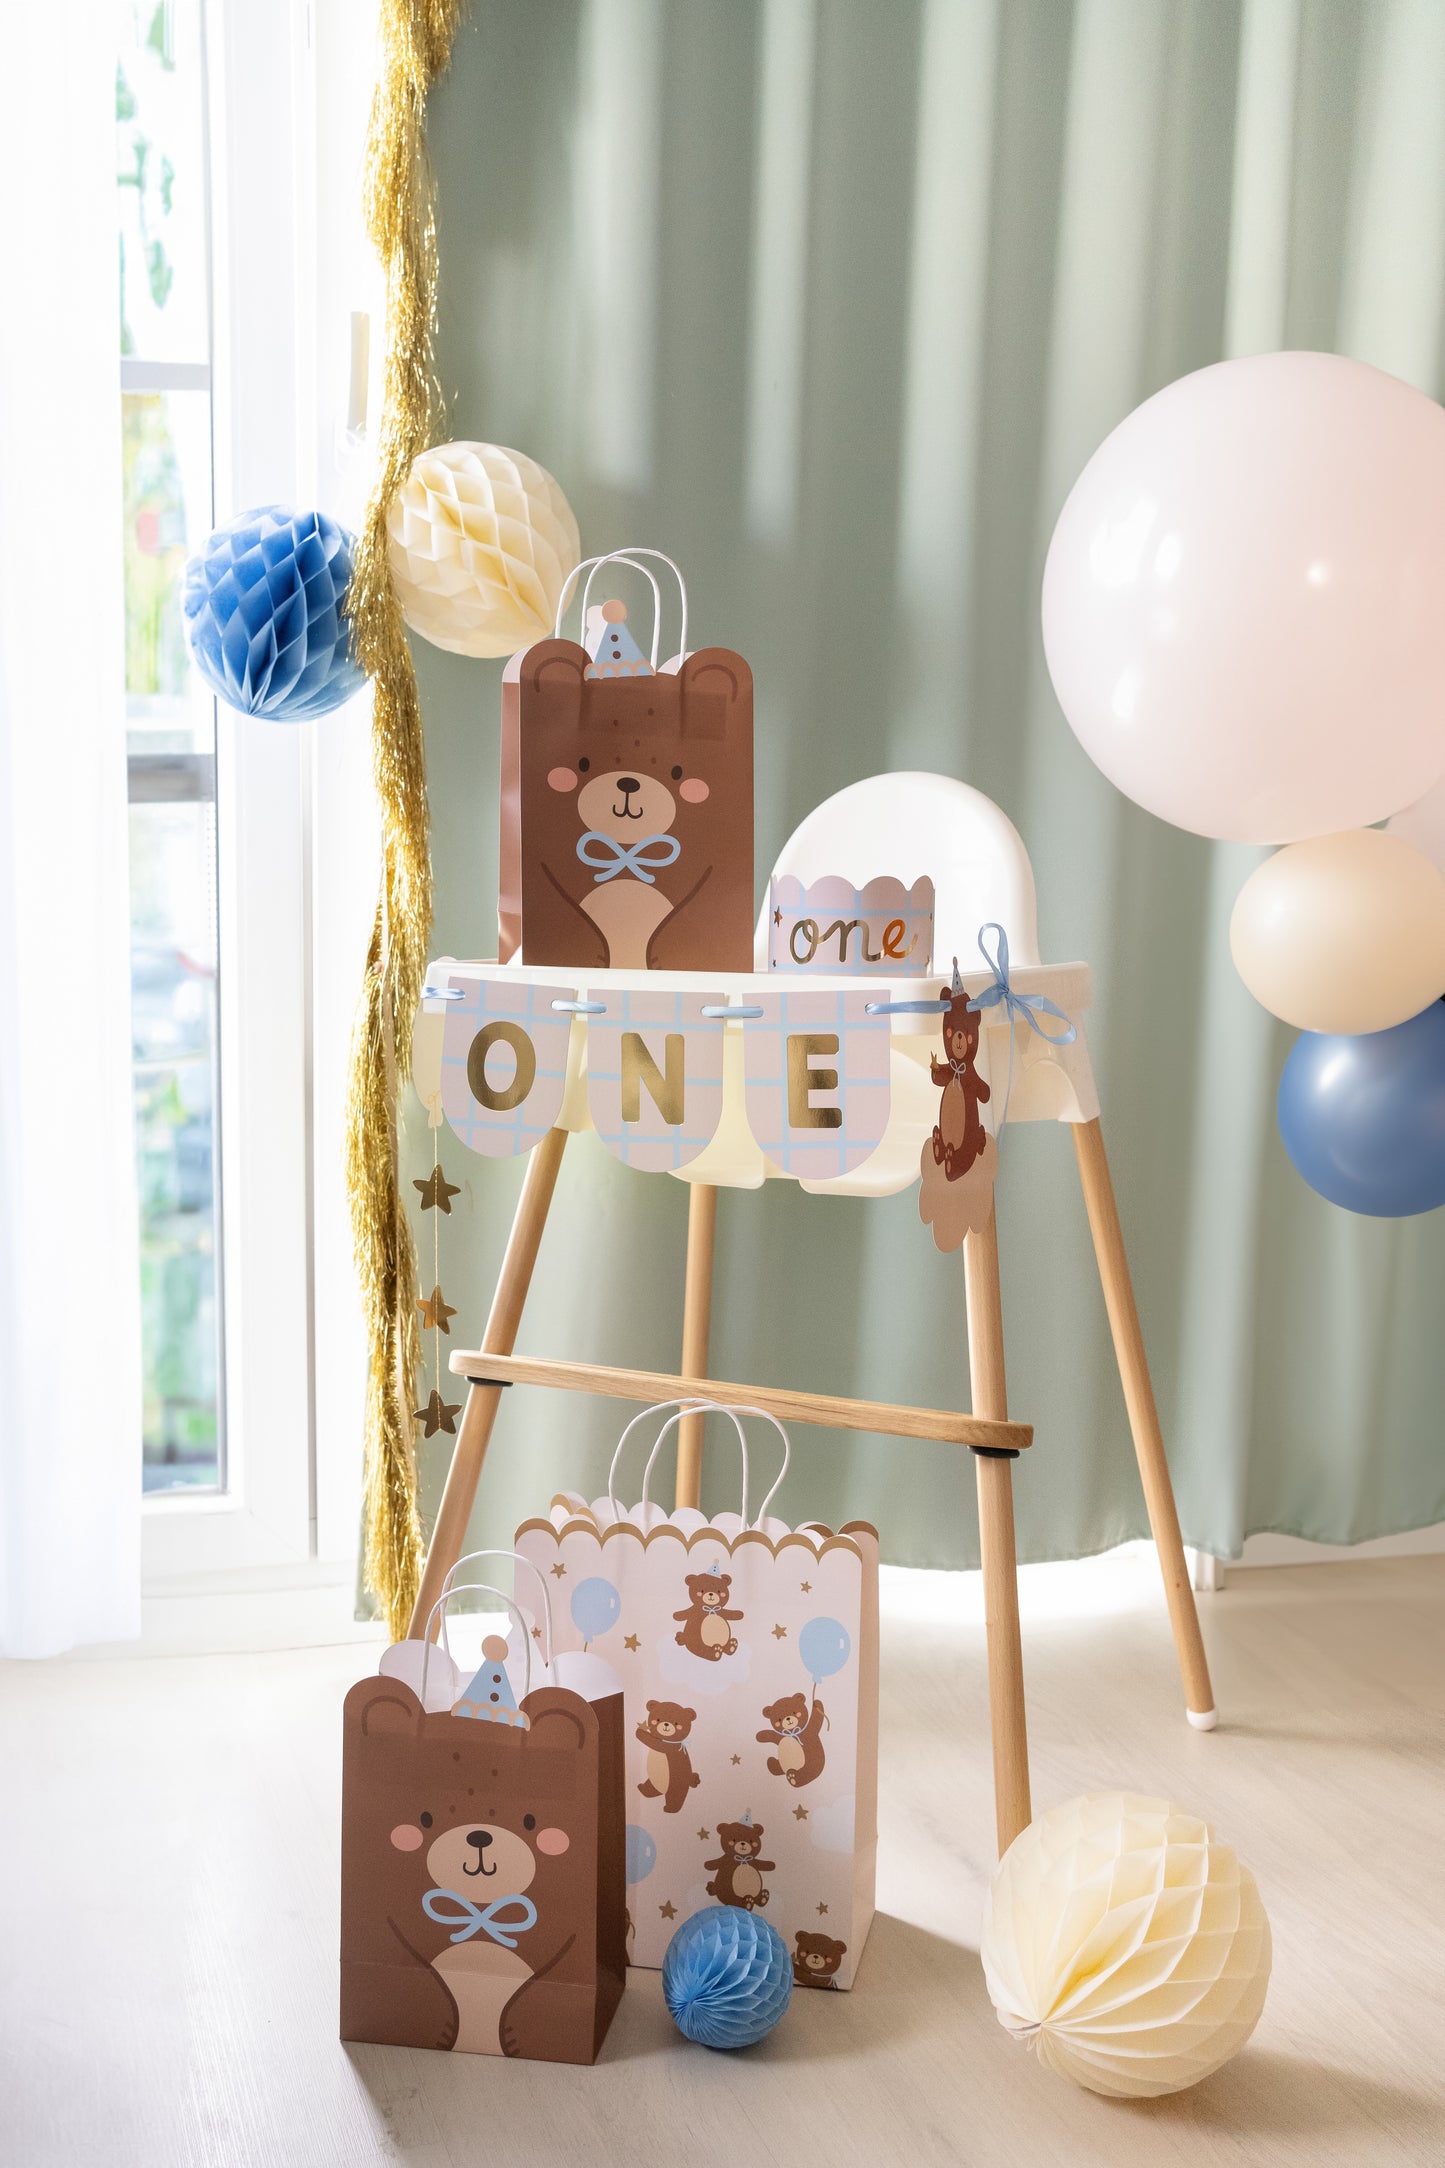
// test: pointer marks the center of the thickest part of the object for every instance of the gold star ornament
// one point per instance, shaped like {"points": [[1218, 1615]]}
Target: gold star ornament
{"points": [[436, 1191], [438, 1414], [436, 1311]]}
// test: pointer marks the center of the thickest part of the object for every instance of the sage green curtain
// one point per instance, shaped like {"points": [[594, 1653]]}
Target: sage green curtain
{"points": [[832, 299]]}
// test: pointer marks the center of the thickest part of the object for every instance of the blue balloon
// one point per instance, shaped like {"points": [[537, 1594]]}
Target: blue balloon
{"points": [[263, 604], [726, 1977], [596, 1605], [641, 1853], [824, 1647], [1363, 1118]]}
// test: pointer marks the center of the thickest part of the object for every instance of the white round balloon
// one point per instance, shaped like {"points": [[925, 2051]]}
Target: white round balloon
{"points": [[1125, 1945], [480, 541], [1242, 605]]}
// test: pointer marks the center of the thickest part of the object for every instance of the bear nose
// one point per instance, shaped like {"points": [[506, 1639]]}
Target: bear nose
{"points": [[481, 1838], [627, 784]]}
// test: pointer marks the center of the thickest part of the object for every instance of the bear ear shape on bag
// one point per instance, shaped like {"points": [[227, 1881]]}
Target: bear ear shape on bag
{"points": [[382, 1705], [561, 1723]]}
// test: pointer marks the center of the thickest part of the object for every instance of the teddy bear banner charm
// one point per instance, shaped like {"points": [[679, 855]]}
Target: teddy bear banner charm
{"points": [[959, 1161]]}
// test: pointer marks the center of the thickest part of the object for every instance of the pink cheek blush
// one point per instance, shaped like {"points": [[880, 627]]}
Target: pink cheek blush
{"points": [[694, 790], [407, 1837], [561, 779], [553, 1841]]}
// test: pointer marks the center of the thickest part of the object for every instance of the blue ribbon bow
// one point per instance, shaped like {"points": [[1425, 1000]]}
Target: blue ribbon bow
{"points": [[1018, 1008], [627, 857], [470, 1919]]}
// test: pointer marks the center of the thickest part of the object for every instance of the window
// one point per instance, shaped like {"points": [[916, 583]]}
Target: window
{"points": [[163, 196]]}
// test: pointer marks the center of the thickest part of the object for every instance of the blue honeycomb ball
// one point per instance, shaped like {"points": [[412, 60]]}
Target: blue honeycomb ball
{"points": [[262, 602], [726, 1977]]}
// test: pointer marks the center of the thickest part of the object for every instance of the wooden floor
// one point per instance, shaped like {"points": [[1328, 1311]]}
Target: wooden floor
{"points": [[168, 1912]]}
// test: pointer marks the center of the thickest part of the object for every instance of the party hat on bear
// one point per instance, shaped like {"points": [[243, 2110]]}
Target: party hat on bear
{"points": [[613, 650], [489, 1694]]}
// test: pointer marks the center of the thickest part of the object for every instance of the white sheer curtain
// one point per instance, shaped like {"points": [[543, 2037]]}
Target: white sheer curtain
{"points": [[69, 1294]]}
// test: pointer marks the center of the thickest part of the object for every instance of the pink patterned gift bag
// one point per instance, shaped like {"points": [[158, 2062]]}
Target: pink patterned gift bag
{"points": [[747, 1656]]}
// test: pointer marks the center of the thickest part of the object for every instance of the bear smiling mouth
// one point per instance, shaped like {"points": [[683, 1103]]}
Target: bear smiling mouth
{"points": [[624, 811]]}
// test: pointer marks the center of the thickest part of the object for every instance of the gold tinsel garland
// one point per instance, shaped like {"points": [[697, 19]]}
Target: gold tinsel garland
{"points": [[416, 41]]}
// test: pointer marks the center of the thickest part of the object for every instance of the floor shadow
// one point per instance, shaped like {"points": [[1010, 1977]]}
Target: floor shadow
{"points": [[1267, 2093]]}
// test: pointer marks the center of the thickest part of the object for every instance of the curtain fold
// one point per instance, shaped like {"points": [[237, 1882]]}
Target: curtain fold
{"points": [[833, 301], [70, 1417]]}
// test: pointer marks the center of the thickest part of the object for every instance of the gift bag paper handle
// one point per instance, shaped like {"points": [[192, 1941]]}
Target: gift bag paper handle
{"points": [[518, 1558], [629, 556], [698, 1407]]}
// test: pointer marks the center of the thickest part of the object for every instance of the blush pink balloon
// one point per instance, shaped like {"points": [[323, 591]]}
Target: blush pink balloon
{"points": [[1244, 600]]}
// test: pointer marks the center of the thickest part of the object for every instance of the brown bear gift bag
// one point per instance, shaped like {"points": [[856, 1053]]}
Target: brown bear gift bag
{"points": [[747, 1655], [626, 799], [482, 1858]]}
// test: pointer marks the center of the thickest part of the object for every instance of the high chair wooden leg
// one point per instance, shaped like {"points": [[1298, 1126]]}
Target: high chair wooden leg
{"points": [[1144, 1419], [998, 1555], [696, 1331], [480, 1412]]}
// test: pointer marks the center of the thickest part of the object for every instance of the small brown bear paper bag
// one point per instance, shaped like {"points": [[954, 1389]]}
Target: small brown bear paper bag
{"points": [[626, 813], [482, 1875]]}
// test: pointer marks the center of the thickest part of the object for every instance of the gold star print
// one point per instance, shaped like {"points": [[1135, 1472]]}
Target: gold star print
{"points": [[437, 1415], [821, 1910], [704, 1834], [630, 1641], [806, 1587], [536, 1633], [669, 1910], [435, 1311], [777, 917], [780, 1633], [437, 1190], [800, 1814], [736, 1759], [558, 1572]]}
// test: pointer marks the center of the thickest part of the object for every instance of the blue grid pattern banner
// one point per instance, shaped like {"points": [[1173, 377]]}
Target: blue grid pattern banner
{"points": [[783, 1104], [667, 1135], [533, 1038]]}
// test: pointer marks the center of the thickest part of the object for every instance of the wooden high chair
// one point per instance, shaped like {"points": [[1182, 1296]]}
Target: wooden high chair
{"points": [[903, 824]]}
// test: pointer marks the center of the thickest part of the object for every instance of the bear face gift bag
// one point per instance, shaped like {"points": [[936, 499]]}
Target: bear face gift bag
{"points": [[626, 798], [482, 1853], [748, 1659]]}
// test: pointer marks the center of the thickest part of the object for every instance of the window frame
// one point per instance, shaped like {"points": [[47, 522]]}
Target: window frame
{"points": [[289, 948]]}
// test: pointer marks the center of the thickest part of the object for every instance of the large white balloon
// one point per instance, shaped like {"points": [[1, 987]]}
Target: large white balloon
{"points": [[1244, 600]]}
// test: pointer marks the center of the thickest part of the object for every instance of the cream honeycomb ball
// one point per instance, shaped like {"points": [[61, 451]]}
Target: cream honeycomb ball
{"points": [[1125, 1945], [481, 540]]}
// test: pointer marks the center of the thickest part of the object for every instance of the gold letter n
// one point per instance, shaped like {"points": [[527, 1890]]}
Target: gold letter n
{"points": [[638, 1068]]}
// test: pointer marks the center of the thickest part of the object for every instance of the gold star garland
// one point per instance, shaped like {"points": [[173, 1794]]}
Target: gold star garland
{"points": [[415, 42], [436, 1311]]}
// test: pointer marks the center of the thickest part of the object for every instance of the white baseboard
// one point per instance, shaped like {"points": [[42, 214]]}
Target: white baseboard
{"points": [[1272, 1550]]}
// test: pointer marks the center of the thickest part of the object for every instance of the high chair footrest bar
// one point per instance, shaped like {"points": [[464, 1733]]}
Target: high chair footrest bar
{"points": [[945, 1426]]}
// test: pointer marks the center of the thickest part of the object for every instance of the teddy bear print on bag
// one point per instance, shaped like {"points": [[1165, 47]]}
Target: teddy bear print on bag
{"points": [[797, 1733], [707, 1623], [670, 1774], [816, 1959], [738, 1874]]}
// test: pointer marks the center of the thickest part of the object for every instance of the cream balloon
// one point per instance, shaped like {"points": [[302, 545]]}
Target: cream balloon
{"points": [[1423, 824], [1242, 605], [480, 540], [1125, 1945], [1343, 933]]}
